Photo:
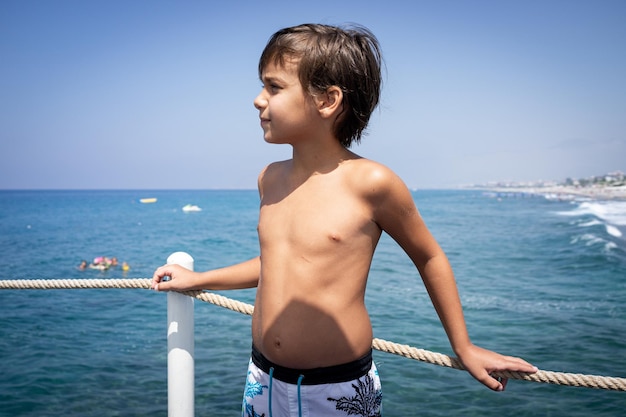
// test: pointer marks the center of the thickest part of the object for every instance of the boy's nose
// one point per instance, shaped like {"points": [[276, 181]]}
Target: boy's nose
{"points": [[260, 101]]}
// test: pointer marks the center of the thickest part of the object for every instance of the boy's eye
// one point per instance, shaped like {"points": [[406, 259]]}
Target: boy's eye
{"points": [[271, 87]]}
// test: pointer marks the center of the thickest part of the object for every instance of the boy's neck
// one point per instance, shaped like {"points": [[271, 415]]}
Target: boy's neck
{"points": [[319, 157]]}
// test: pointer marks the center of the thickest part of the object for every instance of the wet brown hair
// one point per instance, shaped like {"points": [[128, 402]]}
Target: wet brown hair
{"points": [[328, 56]]}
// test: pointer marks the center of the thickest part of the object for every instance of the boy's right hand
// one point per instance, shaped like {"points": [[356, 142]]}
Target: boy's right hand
{"points": [[180, 279]]}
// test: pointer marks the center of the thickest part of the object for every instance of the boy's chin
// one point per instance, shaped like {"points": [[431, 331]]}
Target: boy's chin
{"points": [[269, 139]]}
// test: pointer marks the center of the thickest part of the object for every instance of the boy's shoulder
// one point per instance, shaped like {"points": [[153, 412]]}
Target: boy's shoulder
{"points": [[362, 169], [370, 170], [272, 173], [373, 179], [364, 176], [275, 168]]}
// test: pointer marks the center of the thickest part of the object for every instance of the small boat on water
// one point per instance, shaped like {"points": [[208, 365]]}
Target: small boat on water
{"points": [[191, 207], [148, 200]]}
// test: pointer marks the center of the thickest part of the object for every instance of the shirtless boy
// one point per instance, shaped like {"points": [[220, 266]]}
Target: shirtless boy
{"points": [[322, 213]]}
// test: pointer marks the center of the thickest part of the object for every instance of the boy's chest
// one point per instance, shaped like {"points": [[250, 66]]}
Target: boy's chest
{"points": [[317, 220]]}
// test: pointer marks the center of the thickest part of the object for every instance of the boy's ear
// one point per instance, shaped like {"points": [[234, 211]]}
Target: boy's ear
{"points": [[330, 102]]}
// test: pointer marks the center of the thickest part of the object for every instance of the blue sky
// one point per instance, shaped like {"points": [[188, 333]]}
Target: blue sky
{"points": [[158, 94]]}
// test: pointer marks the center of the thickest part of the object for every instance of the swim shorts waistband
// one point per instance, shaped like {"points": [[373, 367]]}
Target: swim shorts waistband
{"points": [[325, 375]]}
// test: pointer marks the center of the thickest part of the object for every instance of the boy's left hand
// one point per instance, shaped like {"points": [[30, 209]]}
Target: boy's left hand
{"points": [[480, 363]]}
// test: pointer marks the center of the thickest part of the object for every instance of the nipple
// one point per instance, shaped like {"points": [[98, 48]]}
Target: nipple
{"points": [[335, 237]]}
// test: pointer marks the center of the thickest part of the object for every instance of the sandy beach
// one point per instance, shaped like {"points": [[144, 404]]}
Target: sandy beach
{"points": [[567, 192]]}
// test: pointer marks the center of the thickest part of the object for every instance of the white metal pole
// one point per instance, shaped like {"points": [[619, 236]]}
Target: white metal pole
{"points": [[180, 347]]}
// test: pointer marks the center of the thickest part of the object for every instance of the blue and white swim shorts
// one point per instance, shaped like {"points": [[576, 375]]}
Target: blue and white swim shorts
{"points": [[351, 389]]}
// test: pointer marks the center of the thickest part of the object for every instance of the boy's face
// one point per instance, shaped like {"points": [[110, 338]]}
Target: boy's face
{"points": [[287, 112]]}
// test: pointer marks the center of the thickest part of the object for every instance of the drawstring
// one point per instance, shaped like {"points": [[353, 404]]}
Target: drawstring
{"points": [[270, 390], [300, 378]]}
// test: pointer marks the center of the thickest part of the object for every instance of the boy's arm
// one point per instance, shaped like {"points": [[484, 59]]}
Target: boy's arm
{"points": [[396, 214], [242, 275], [480, 363]]}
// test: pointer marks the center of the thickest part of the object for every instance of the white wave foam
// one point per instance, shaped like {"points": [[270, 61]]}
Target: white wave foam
{"points": [[588, 239], [613, 231], [613, 212], [591, 223], [610, 214]]}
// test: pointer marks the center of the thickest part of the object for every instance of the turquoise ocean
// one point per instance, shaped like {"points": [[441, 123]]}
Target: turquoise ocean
{"points": [[541, 279]]}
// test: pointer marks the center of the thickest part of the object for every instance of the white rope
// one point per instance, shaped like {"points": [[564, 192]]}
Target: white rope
{"points": [[549, 377]]}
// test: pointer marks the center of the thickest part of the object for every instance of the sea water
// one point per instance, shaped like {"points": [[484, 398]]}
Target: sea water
{"points": [[540, 279]]}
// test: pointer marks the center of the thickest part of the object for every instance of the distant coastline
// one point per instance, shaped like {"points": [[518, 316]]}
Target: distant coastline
{"points": [[611, 186], [563, 192]]}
